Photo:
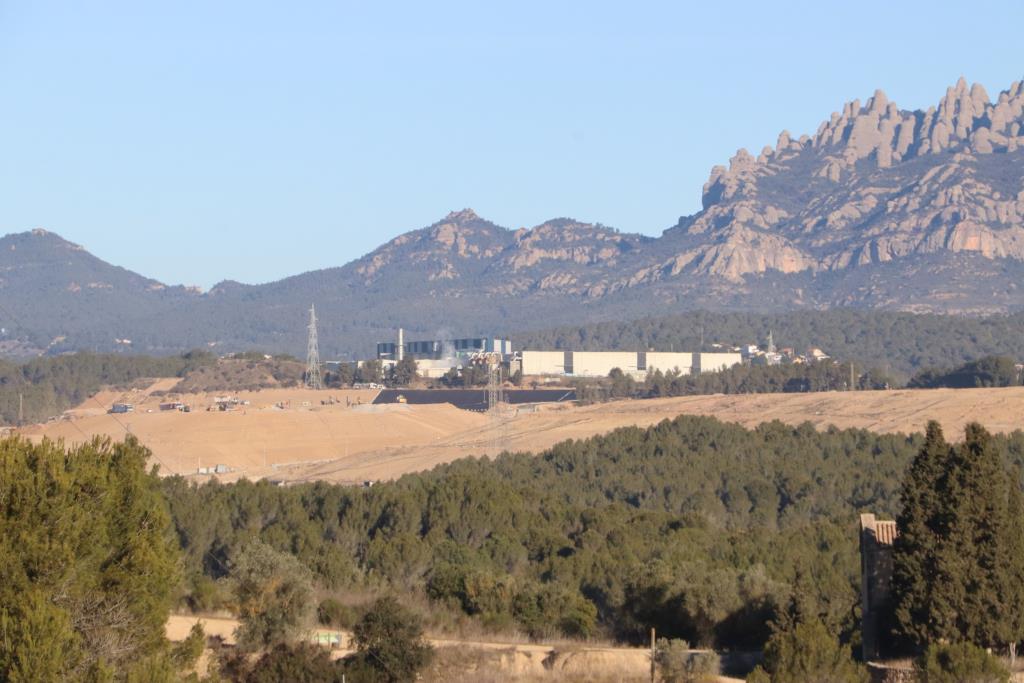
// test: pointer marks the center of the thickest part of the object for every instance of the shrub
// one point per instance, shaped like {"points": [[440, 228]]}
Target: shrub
{"points": [[807, 653], [335, 614], [678, 663], [205, 594], [274, 593], [302, 663], [960, 663], [186, 653], [389, 639]]}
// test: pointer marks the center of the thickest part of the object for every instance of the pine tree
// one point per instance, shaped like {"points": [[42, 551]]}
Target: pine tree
{"points": [[390, 640], [916, 548], [88, 560], [32, 633]]}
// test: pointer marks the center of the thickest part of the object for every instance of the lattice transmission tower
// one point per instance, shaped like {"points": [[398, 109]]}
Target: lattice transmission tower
{"points": [[491, 361], [314, 380]]}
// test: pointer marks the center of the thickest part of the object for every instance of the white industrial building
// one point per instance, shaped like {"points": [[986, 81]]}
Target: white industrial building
{"points": [[714, 362], [543, 362], [667, 361], [435, 358], [600, 363], [634, 363], [435, 369]]}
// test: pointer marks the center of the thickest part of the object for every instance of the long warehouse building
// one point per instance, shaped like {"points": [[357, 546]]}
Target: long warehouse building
{"points": [[635, 363]]}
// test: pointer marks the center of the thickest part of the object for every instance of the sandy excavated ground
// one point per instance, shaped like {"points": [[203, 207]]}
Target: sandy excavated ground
{"points": [[1001, 410], [357, 443], [254, 440]]}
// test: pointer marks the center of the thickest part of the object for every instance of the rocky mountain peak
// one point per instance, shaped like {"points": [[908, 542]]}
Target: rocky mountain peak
{"points": [[874, 183], [463, 216]]}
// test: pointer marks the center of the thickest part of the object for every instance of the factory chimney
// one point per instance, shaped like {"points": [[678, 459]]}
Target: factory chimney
{"points": [[401, 345]]}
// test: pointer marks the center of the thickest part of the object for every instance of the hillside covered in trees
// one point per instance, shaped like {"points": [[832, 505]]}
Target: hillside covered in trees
{"points": [[44, 387], [990, 371], [725, 537], [700, 528], [899, 343]]}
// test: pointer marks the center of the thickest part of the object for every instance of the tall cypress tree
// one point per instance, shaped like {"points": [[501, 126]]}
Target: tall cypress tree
{"points": [[917, 546], [976, 539], [959, 561], [1011, 566]]}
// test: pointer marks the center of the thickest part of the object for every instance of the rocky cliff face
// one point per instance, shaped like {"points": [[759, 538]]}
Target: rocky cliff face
{"points": [[874, 184], [464, 250]]}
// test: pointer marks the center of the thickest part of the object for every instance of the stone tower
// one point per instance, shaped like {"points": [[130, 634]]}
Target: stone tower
{"points": [[876, 540]]}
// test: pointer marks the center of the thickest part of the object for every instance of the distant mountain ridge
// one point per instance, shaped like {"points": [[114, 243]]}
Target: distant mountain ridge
{"points": [[880, 208]]}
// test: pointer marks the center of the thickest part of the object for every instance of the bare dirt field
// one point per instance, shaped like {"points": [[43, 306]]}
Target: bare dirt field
{"points": [[1001, 410], [277, 427], [353, 442]]}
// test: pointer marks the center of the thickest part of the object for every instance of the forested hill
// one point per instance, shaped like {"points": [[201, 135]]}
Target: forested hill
{"points": [[700, 528], [43, 387], [899, 342]]}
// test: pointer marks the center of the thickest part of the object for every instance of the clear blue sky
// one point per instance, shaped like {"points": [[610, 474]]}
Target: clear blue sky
{"points": [[200, 141]]}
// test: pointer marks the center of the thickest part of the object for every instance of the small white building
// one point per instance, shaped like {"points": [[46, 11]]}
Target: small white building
{"points": [[435, 369], [817, 354]]}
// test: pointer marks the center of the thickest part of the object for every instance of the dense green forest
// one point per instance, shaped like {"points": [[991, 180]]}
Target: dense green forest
{"points": [[900, 343], [990, 371], [714, 534], [698, 527], [44, 387]]}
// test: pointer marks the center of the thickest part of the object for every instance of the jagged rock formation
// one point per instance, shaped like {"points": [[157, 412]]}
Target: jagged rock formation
{"points": [[881, 207], [875, 183]]}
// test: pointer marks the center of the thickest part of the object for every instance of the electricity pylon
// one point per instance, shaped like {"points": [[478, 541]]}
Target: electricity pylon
{"points": [[491, 361], [314, 380]]}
